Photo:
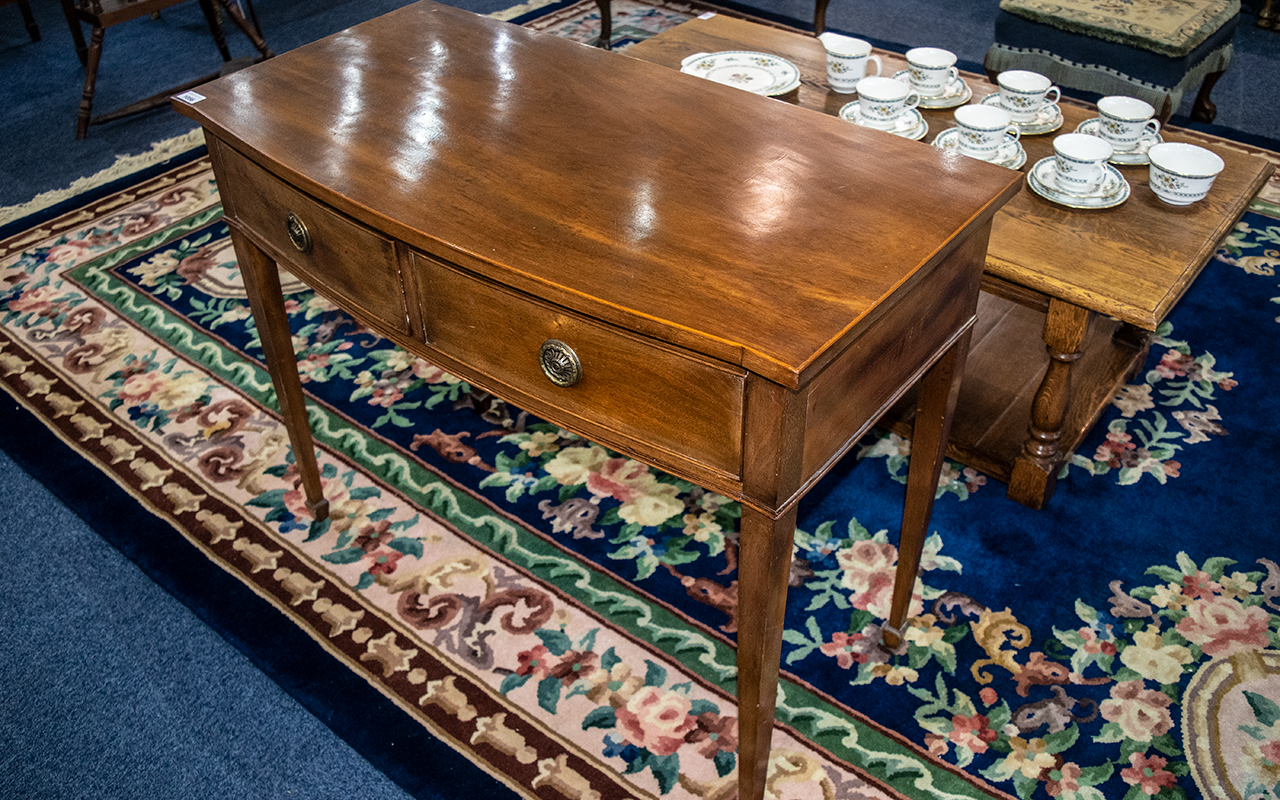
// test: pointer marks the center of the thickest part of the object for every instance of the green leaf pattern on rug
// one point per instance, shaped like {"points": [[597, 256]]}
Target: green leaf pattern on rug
{"points": [[1254, 250]]}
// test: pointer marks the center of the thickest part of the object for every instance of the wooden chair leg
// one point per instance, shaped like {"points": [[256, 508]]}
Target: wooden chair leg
{"points": [[820, 16], [77, 35], [1204, 109], [248, 30], [215, 27], [90, 79], [28, 19], [605, 42]]}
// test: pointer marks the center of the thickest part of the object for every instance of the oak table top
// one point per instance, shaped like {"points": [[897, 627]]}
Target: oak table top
{"points": [[714, 283], [1072, 296]]}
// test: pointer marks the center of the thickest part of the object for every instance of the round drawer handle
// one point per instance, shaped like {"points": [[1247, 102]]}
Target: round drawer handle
{"points": [[298, 233], [560, 363]]}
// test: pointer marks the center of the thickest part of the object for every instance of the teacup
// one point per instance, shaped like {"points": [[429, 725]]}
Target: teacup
{"points": [[1127, 122], [1024, 93], [882, 100], [1080, 161], [932, 70], [848, 60], [982, 130], [1181, 173]]}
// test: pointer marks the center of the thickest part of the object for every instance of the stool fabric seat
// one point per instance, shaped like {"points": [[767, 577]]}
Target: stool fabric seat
{"points": [[1155, 50]]}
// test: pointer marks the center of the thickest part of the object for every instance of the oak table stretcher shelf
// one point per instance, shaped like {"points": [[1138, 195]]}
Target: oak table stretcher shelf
{"points": [[738, 292], [1071, 298]]}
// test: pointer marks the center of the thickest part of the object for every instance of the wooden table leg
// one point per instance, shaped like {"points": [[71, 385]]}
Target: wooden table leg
{"points": [[935, 408], [605, 42], [266, 299], [763, 572], [1036, 470]]}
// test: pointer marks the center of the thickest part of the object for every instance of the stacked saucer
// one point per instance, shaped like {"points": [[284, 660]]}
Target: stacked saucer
{"points": [[956, 93], [1047, 120], [909, 124], [1132, 158], [1042, 178], [1009, 154]]}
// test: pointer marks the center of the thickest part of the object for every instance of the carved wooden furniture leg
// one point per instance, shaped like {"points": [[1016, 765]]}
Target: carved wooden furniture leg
{"points": [[1036, 469], [605, 41], [939, 389], [1268, 16], [215, 28], [262, 284], [1204, 109], [820, 16], [77, 35], [250, 31], [90, 80]]}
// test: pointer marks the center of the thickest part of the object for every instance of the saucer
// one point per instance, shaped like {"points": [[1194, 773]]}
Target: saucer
{"points": [[956, 94], [1132, 158], [758, 73], [1009, 154], [908, 125], [1113, 191], [1047, 121]]}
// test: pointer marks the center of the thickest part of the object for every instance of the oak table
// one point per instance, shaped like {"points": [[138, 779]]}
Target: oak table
{"points": [[726, 287], [1087, 287]]}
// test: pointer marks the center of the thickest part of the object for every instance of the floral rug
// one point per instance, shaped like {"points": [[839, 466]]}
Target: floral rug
{"points": [[565, 617]]}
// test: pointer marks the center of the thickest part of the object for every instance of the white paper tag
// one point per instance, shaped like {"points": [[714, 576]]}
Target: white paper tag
{"points": [[190, 98], [707, 15]]}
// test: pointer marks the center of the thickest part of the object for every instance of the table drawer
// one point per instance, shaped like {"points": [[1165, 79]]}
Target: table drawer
{"points": [[331, 252], [635, 389]]}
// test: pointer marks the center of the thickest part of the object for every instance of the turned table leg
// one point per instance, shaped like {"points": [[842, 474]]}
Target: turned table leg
{"points": [[262, 284], [935, 408], [1036, 470]]}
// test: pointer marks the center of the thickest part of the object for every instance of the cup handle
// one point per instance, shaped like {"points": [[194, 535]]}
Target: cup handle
{"points": [[913, 100], [873, 59], [953, 75], [1153, 128], [1057, 93], [1016, 131]]}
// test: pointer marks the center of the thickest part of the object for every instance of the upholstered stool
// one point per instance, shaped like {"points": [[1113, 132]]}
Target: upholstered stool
{"points": [[1151, 49]]}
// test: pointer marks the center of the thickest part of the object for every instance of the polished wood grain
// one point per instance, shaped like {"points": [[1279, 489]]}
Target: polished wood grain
{"points": [[1037, 383], [746, 285]]}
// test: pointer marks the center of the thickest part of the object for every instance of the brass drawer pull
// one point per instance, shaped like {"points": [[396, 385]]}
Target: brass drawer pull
{"points": [[560, 363], [298, 233]]}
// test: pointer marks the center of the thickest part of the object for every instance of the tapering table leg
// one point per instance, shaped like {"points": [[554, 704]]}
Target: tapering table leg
{"points": [[763, 572], [939, 389], [262, 284]]}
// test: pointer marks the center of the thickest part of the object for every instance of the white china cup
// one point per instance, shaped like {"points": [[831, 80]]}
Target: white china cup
{"points": [[1127, 122], [848, 61], [982, 130], [1079, 161], [882, 100], [1181, 173], [1024, 93], [932, 70]]}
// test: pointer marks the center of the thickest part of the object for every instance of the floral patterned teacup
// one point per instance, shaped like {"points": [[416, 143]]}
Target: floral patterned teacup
{"points": [[1024, 93], [1079, 161], [1127, 122], [982, 130], [932, 70], [882, 100], [1181, 173]]}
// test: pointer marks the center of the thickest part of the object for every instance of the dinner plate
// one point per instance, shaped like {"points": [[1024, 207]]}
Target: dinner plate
{"points": [[758, 73]]}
